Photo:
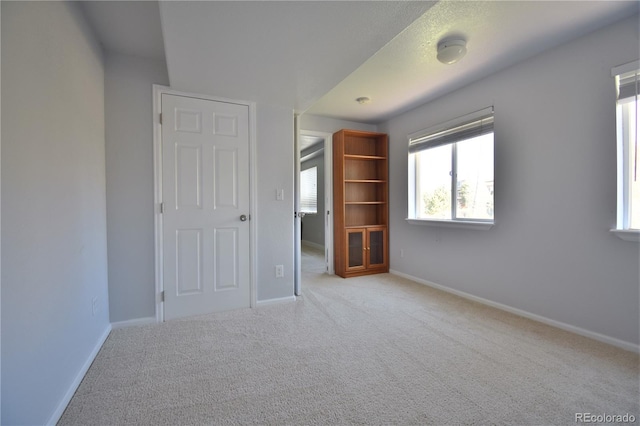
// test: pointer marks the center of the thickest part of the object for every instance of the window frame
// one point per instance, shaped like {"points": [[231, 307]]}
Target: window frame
{"points": [[623, 172], [437, 134]]}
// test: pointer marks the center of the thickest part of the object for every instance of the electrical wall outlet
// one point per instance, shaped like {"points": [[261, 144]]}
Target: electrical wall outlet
{"points": [[279, 271], [401, 252], [94, 306]]}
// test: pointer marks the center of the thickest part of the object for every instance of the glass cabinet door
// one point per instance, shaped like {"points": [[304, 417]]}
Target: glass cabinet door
{"points": [[377, 246], [355, 248]]}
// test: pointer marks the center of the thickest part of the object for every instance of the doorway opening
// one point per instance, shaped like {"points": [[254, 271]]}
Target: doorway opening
{"points": [[314, 225]]}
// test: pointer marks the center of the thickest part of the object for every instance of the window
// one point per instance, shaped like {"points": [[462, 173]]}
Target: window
{"points": [[309, 190], [451, 172], [627, 88]]}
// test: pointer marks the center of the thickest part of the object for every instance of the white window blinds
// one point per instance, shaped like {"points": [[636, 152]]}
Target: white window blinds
{"points": [[309, 190], [628, 81], [466, 127]]}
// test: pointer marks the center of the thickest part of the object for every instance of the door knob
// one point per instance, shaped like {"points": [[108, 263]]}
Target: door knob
{"points": [[243, 217]]}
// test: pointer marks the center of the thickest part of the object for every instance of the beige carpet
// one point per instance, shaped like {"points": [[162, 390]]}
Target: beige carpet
{"points": [[370, 350]]}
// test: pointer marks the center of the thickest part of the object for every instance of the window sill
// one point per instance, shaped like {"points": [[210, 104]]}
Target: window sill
{"points": [[480, 226], [632, 235]]}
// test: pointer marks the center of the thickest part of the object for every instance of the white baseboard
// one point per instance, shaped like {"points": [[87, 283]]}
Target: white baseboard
{"points": [[561, 325], [278, 300], [133, 322], [76, 382], [313, 245]]}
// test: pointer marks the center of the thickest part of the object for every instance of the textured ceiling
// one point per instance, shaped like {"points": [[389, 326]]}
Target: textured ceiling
{"points": [[282, 53], [405, 73], [317, 57]]}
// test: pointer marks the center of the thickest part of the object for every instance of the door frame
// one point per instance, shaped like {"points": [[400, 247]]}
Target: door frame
{"points": [[158, 91], [328, 202]]}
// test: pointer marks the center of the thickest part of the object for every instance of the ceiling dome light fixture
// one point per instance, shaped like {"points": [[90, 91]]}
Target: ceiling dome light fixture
{"points": [[452, 50], [363, 100]]}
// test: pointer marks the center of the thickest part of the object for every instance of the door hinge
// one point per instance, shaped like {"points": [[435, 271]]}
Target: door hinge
{"points": [[161, 208], [162, 296], [160, 118]]}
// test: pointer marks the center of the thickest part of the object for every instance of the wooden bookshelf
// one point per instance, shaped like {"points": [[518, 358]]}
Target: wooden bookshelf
{"points": [[360, 194]]}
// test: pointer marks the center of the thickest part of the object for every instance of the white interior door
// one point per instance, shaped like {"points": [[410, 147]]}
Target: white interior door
{"points": [[206, 201]]}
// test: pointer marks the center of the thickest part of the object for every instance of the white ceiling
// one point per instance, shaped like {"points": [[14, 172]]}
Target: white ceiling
{"points": [[405, 73], [282, 53], [318, 56]]}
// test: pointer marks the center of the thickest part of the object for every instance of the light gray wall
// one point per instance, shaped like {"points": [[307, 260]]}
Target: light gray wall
{"points": [[317, 123], [274, 218], [551, 252], [313, 224], [54, 252], [129, 150], [130, 190]]}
